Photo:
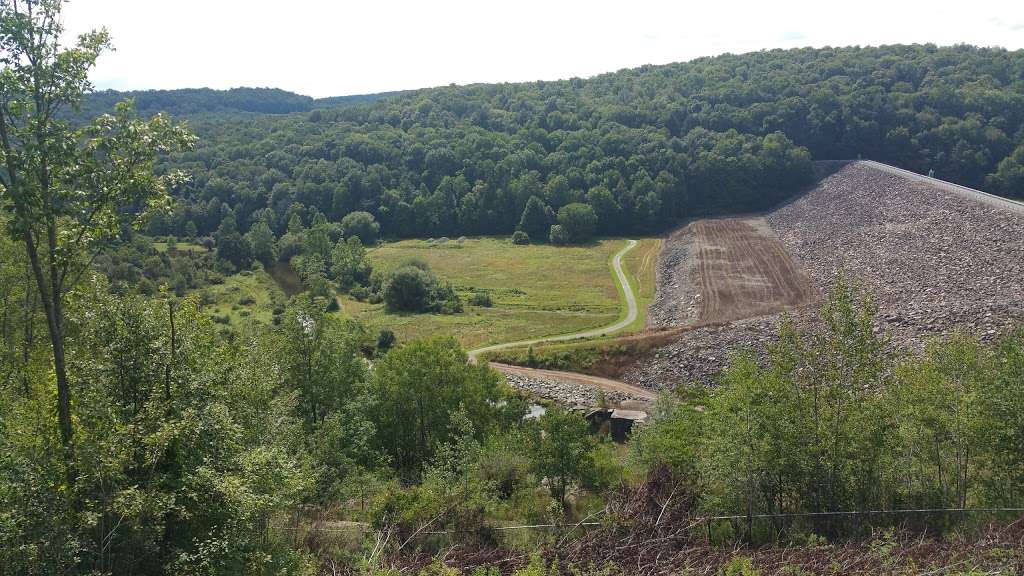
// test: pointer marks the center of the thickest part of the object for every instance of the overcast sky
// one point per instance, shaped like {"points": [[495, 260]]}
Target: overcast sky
{"points": [[330, 48]]}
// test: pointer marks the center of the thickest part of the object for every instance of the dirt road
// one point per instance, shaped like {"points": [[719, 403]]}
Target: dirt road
{"points": [[572, 377], [962, 191], [631, 314], [605, 384]]}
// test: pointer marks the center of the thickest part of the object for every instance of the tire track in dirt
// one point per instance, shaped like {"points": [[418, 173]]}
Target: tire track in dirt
{"points": [[743, 271]]}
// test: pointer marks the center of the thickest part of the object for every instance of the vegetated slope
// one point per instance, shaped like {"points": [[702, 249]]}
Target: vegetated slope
{"points": [[934, 261], [644, 147]]}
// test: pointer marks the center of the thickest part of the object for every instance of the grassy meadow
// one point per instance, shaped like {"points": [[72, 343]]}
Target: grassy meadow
{"points": [[179, 246], [248, 295], [537, 290]]}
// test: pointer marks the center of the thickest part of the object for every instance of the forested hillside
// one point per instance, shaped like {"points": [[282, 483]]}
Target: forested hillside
{"points": [[150, 428], [188, 101], [644, 147]]}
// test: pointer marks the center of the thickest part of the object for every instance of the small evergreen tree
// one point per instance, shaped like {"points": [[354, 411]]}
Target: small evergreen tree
{"points": [[534, 221]]}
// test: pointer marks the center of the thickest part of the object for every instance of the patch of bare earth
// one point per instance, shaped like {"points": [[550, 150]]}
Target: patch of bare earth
{"points": [[723, 269], [743, 271], [935, 262]]}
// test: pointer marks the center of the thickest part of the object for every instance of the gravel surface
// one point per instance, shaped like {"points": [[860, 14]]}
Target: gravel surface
{"points": [[677, 301], [563, 392], [934, 261]]}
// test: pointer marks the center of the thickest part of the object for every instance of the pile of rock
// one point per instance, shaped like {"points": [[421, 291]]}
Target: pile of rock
{"points": [[565, 393], [698, 356], [677, 301], [934, 262]]}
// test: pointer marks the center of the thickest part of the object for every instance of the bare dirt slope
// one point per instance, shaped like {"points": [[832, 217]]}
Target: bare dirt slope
{"points": [[721, 269], [744, 270], [934, 260]]}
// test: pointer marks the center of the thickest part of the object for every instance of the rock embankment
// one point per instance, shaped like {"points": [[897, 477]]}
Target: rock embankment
{"points": [[677, 301], [935, 263], [566, 393]]}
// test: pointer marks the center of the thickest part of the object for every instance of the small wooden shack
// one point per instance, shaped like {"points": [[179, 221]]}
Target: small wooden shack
{"points": [[619, 423]]}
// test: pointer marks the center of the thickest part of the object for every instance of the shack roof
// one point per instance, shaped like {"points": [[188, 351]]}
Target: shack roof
{"points": [[635, 415]]}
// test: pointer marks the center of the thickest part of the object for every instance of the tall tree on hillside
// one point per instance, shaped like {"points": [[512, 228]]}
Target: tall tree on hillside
{"points": [[69, 190], [534, 220], [578, 220]]}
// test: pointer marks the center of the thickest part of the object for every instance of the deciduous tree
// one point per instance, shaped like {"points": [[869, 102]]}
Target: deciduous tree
{"points": [[69, 190]]}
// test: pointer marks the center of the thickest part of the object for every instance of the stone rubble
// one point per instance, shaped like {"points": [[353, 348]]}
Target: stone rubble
{"points": [[566, 393], [934, 262], [677, 301]]}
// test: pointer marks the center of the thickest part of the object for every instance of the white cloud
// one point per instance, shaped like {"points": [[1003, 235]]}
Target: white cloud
{"points": [[325, 48]]}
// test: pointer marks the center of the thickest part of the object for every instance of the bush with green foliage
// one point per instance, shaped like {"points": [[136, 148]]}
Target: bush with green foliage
{"points": [[385, 340], [349, 265], [418, 389], [409, 289], [214, 455], [562, 450], [520, 238], [578, 222], [558, 235], [413, 287], [831, 420], [361, 225], [534, 220]]}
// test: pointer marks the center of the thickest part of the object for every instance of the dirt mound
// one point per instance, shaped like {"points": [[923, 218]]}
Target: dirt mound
{"points": [[935, 261]]}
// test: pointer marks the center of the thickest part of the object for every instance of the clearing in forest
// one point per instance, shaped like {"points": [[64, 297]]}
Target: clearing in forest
{"points": [[741, 269], [537, 290]]}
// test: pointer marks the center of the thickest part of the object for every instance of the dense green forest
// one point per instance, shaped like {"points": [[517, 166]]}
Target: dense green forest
{"points": [[644, 147], [137, 437]]}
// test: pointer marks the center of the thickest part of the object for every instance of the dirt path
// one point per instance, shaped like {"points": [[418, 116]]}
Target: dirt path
{"points": [[631, 314], [572, 377]]}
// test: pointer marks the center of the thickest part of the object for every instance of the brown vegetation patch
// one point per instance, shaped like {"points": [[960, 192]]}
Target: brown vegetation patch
{"points": [[654, 529], [743, 270]]}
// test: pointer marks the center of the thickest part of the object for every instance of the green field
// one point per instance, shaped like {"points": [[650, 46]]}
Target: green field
{"points": [[640, 265], [537, 290], [248, 295], [180, 246]]}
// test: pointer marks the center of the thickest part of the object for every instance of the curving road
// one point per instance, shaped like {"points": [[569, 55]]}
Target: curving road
{"points": [[631, 314]]}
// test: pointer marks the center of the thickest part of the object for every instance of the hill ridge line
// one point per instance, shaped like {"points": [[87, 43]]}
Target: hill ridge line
{"points": [[951, 187]]}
